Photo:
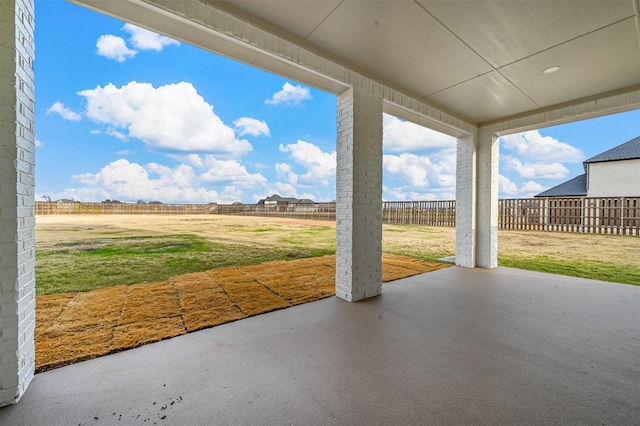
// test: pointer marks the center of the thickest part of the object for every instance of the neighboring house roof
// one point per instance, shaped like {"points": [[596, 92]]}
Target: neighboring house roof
{"points": [[575, 187], [578, 185], [627, 151], [282, 200]]}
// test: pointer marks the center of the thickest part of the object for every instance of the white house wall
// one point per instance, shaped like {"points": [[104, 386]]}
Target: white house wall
{"points": [[614, 179]]}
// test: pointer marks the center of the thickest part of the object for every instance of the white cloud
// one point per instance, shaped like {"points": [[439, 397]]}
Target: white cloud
{"points": [[39, 144], [409, 193], [506, 186], [320, 165], [212, 170], [170, 118], [116, 134], [123, 152], [114, 47], [127, 181], [286, 171], [251, 126], [410, 167], [435, 172], [533, 146], [146, 40], [290, 95], [531, 188], [230, 194], [404, 136], [508, 189], [64, 112], [228, 172], [535, 170]]}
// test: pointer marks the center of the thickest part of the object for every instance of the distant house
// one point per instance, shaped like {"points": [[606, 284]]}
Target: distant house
{"points": [[613, 173], [276, 200], [306, 205]]}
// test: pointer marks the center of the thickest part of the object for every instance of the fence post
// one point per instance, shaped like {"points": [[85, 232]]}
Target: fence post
{"points": [[621, 228], [546, 214], [582, 207]]}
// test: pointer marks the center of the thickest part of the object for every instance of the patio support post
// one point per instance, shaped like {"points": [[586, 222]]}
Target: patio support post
{"points": [[17, 235], [477, 201], [359, 195], [487, 201], [466, 201]]}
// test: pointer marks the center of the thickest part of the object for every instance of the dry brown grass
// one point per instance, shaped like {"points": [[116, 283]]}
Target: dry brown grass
{"points": [[51, 230], [72, 327], [75, 327]]}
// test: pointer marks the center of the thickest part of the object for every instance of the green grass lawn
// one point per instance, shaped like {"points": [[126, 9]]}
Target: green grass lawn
{"points": [[81, 266], [74, 257], [592, 269]]}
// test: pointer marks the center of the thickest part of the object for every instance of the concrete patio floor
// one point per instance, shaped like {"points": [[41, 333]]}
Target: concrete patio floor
{"points": [[454, 346]]}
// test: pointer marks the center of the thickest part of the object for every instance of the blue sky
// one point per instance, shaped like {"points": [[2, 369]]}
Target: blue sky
{"points": [[125, 114]]}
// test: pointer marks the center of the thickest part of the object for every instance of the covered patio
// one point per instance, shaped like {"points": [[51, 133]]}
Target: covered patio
{"points": [[454, 346], [492, 346]]}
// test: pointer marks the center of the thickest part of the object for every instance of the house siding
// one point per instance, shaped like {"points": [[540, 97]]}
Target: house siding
{"points": [[614, 179]]}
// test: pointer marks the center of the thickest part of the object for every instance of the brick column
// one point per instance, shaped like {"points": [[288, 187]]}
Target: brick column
{"points": [[477, 201], [17, 236], [487, 201], [466, 202], [359, 196]]}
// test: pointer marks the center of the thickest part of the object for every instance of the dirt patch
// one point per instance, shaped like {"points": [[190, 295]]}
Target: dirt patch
{"points": [[74, 327]]}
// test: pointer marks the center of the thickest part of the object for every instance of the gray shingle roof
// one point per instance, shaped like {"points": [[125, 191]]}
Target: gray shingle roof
{"points": [[575, 187], [627, 151]]}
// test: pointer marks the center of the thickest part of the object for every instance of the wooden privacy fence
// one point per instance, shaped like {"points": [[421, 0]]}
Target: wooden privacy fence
{"points": [[77, 207], [325, 211], [589, 215], [595, 215], [431, 213]]}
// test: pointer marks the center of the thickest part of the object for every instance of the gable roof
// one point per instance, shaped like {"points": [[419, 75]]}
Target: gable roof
{"points": [[627, 151], [571, 188], [281, 200]]}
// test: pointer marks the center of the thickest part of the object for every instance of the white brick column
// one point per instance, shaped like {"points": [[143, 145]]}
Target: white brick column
{"points": [[477, 201], [487, 201], [466, 204], [359, 196], [17, 235]]}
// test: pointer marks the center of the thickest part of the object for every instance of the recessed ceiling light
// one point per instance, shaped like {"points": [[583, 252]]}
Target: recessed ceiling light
{"points": [[551, 70]]}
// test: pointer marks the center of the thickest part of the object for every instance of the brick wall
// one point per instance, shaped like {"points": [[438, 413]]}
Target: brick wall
{"points": [[17, 163], [359, 196], [465, 202], [487, 201]]}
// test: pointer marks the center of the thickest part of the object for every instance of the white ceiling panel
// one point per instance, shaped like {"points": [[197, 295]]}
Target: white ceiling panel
{"points": [[399, 42], [598, 62], [296, 17], [449, 51], [481, 60], [503, 32], [484, 98]]}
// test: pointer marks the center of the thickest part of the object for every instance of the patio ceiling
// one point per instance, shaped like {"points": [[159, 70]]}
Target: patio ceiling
{"points": [[480, 60]]}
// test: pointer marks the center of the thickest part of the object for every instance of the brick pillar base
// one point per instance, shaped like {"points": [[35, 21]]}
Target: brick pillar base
{"points": [[359, 196]]}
